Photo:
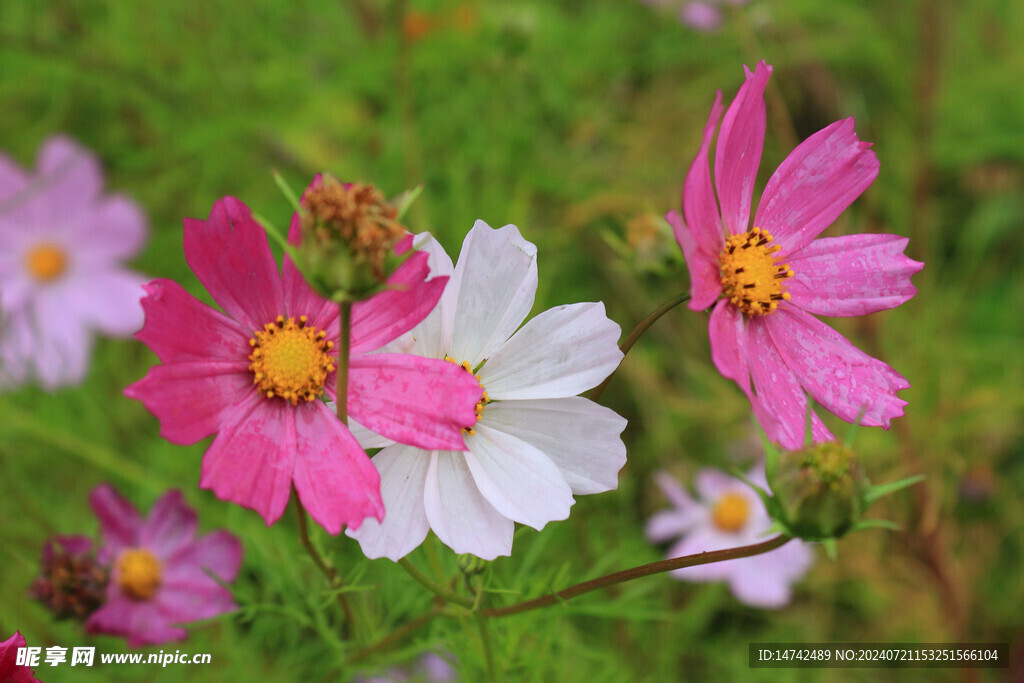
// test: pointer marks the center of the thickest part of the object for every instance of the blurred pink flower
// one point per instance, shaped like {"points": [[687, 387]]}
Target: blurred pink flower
{"points": [[62, 244], [534, 443], [728, 514], [10, 671], [158, 569], [256, 375], [768, 279]]}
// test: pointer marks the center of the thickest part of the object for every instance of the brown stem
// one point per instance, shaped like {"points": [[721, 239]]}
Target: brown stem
{"points": [[398, 634], [638, 572], [344, 344]]}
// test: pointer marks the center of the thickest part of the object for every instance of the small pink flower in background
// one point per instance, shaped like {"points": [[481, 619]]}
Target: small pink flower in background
{"points": [[765, 281], [728, 514], [62, 245], [533, 443], [158, 569], [429, 668], [255, 376], [702, 15], [10, 671]]}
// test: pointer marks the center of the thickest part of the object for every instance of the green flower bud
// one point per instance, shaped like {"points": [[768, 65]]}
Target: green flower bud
{"points": [[819, 491], [470, 564]]}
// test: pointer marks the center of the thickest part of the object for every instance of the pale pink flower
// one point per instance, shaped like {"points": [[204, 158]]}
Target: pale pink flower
{"points": [[62, 245], [158, 575], [535, 443], [254, 377], [728, 514], [768, 279], [10, 670]]}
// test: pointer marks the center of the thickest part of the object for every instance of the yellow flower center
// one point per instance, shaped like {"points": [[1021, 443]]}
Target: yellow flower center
{"points": [[290, 360], [484, 400], [731, 512], [138, 573], [750, 277], [46, 262]]}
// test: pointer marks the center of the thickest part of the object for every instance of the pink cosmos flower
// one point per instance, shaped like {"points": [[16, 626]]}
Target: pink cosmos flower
{"points": [[767, 279], [255, 376], [728, 514], [158, 569], [10, 670], [62, 243]]}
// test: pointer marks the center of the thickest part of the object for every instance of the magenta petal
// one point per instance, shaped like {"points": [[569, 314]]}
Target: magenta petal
{"points": [[179, 327], [299, 297], [852, 275], [841, 377], [170, 526], [218, 551], [119, 521], [704, 275], [193, 399], [229, 254], [141, 622], [252, 459], [738, 152], [727, 330], [180, 602], [699, 205], [335, 480], [410, 298], [816, 182], [780, 404], [422, 402]]}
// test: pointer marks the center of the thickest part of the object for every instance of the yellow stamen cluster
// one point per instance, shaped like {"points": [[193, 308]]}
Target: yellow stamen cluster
{"points": [[750, 277], [484, 400], [46, 262], [290, 359], [355, 215], [730, 512], [138, 573]]}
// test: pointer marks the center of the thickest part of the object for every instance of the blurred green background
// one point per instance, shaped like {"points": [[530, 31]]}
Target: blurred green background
{"points": [[576, 121]]}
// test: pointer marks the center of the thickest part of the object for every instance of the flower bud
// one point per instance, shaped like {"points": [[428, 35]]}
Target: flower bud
{"points": [[349, 233], [470, 564], [70, 583], [819, 491]]}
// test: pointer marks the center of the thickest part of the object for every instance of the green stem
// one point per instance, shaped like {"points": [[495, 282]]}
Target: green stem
{"points": [[344, 344], [485, 639], [433, 587], [661, 310], [333, 579], [638, 572]]}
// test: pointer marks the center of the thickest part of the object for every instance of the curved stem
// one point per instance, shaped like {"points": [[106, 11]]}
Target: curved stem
{"points": [[398, 634], [642, 327], [333, 579], [433, 587], [344, 344], [637, 572]]}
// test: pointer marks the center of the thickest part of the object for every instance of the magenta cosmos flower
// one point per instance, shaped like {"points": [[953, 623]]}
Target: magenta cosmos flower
{"points": [[765, 280], [158, 575], [62, 244], [10, 670], [256, 375]]}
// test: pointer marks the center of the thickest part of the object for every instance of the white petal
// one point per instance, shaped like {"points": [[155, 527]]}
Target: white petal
{"points": [[496, 280], [578, 435], [517, 479], [458, 514], [561, 352], [403, 474], [364, 436]]}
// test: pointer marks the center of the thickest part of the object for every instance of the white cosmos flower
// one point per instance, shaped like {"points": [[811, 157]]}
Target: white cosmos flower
{"points": [[536, 443]]}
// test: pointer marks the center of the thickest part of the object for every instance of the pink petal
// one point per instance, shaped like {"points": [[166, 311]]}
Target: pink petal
{"points": [[738, 152], [63, 344], [229, 254], [765, 581], [71, 177], [840, 376], [170, 526], [219, 552], [299, 297], [120, 523], [780, 404], [251, 460], [111, 229], [704, 270], [182, 602], [816, 182], [335, 480], [410, 297], [852, 275], [140, 621], [699, 205], [194, 399], [727, 330], [12, 178], [109, 301], [421, 402], [179, 327]]}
